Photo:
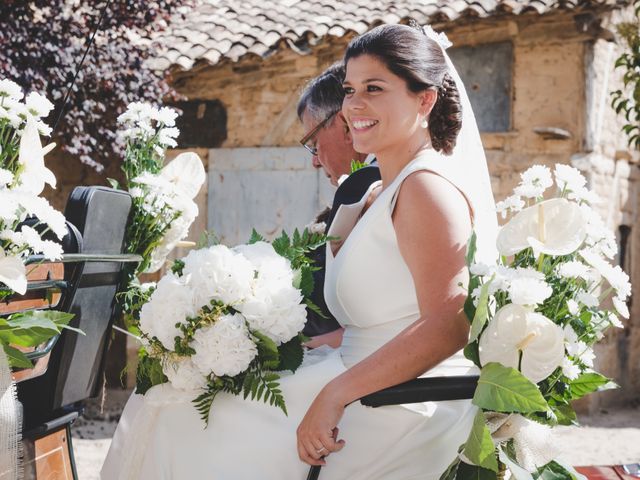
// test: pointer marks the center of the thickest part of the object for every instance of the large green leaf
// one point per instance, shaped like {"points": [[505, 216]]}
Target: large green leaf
{"points": [[588, 383], [16, 358], [504, 389], [471, 248], [553, 471], [267, 350], [480, 448], [473, 472], [32, 328]]}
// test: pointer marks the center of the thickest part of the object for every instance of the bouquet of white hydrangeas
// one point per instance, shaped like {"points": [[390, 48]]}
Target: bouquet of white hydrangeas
{"points": [[23, 176], [535, 318], [228, 319]]}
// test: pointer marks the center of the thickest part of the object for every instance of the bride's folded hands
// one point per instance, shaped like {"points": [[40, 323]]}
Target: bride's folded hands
{"points": [[332, 339]]}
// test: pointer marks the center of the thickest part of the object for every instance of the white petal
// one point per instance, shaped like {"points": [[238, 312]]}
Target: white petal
{"points": [[498, 342], [545, 352], [35, 174], [186, 173], [564, 229], [13, 273]]}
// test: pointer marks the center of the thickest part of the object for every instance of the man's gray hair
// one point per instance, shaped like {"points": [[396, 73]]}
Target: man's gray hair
{"points": [[324, 94]]}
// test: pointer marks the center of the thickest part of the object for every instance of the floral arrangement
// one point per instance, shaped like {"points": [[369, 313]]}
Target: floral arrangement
{"points": [[535, 318], [228, 319], [23, 176], [163, 208]]}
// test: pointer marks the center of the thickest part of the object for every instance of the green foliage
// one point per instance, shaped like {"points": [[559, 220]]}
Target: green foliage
{"points": [[177, 267], [504, 389], [149, 372], [473, 472], [553, 471], [356, 165], [291, 354], [30, 329], [482, 312], [479, 447], [587, 383], [208, 238], [627, 103]]}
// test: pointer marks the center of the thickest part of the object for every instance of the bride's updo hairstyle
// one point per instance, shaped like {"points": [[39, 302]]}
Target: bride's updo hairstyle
{"points": [[408, 53]]}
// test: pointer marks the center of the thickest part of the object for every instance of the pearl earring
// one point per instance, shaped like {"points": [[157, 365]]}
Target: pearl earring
{"points": [[424, 123]]}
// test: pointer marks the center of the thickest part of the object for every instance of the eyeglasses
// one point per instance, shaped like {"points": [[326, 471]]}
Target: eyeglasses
{"points": [[304, 141]]}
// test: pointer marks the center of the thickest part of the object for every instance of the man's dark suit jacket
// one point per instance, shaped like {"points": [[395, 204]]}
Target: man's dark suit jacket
{"points": [[350, 191]]}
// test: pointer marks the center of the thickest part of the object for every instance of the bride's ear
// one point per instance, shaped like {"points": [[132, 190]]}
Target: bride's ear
{"points": [[428, 99]]}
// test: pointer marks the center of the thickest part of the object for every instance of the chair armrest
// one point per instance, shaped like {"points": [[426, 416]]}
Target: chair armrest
{"points": [[51, 425], [431, 389], [87, 257]]}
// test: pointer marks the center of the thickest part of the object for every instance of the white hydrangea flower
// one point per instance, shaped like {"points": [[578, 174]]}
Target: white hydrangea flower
{"points": [[171, 303], [38, 105], [568, 178], [529, 291], [219, 273], [570, 369], [274, 306], [184, 374], [224, 348]]}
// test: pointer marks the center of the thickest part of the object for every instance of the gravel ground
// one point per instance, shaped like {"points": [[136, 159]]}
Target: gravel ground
{"points": [[607, 438]]}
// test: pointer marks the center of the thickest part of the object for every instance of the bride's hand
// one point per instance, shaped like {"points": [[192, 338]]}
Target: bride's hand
{"points": [[318, 432]]}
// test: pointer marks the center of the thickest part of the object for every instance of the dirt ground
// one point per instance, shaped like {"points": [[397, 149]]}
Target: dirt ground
{"points": [[607, 438]]}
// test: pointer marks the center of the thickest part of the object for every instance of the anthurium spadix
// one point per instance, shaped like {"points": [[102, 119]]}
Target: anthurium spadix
{"points": [[31, 156], [553, 227], [516, 329]]}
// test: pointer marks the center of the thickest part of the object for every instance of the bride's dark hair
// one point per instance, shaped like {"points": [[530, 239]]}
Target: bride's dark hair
{"points": [[410, 54]]}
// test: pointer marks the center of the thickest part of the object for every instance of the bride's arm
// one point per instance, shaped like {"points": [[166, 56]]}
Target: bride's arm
{"points": [[333, 339], [432, 224]]}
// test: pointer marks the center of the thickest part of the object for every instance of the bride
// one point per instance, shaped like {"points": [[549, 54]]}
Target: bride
{"points": [[395, 281]]}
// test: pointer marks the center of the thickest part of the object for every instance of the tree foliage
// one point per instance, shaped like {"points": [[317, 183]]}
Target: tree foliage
{"points": [[627, 102], [42, 42]]}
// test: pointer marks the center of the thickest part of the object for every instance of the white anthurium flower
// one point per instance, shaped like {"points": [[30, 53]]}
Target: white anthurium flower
{"points": [[553, 227], [186, 173], [13, 273], [31, 155], [516, 329]]}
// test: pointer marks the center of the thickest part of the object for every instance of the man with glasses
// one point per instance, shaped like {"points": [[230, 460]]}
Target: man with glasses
{"points": [[329, 142]]}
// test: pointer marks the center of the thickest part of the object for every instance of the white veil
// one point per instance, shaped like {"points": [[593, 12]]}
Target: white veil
{"points": [[467, 167]]}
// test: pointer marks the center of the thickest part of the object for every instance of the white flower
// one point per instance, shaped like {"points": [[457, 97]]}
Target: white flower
{"points": [[171, 303], [570, 369], [480, 269], [10, 89], [166, 136], [185, 173], [573, 307], [574, 269], [577, 348], [179, 230], [274, 306], [529, 291], [29, 236], [515, 329], [568, 178], [535, 181], [621, 307], [218, 273], [6, 177], [587, 299], [167, 116], [38, 105], [510, 204], [183, 374], [583, 194], [13, 273], [553, 227], [616, 277], [614, 320], [41, 208], [224, 348], [317, 227], [35, 174]]}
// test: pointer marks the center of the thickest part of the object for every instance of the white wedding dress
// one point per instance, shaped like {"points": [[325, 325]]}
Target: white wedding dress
{"points": [[370, 291]]}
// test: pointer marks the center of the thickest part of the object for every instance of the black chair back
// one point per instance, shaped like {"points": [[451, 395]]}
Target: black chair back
{"points": [[76, 365]]}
